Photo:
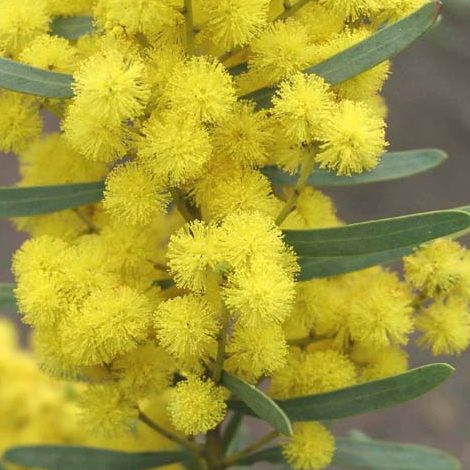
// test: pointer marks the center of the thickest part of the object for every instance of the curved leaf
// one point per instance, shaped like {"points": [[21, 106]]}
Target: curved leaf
{"points": [[327, 252], [34, 200], [72, 27], [7, 297], [263, 406], [383, 45], [373, 455], [80, 458], [23, 78], [393, 165], [362, 398]]}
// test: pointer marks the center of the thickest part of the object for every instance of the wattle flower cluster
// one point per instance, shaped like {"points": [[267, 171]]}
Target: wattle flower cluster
{"points": [[181, 274]]}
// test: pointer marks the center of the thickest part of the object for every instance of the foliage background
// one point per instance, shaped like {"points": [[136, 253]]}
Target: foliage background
{"points": [[429, 101]]}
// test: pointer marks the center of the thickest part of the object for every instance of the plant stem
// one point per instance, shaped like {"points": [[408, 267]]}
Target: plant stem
{"points": [[188, 13], [305, 172], [231, 430], [222, 343], [234, 458], [182, 204], [194, 448], [290, 9]]}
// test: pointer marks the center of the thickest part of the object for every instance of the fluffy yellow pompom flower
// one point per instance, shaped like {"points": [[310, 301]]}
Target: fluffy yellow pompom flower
{"points": [[353, 139], [50, 53], [77, 7], [201, 88], [379, 363], [281, 50], [232, 23], [144, 371], [234, 189], [186, 328], [244, 137], [351, 9], [381, 316], [175, 147], [106, 412], [314, 209], [257, 298], [314, 372], [191, 253], [20, 23], [133, 196], [96, 138], [310, 448], [319, 23], [112, 322], [441, 267], [196, 406], [36, 168], [393, 10], [112, 85], [19, 121], [445, 327], [148, 17], [254, 353], [302, 104], [246, 234]]}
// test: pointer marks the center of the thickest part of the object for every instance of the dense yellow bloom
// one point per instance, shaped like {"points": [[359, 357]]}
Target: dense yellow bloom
{"points": [[144, 371], [175, 148], [353, 139], [141, 16], [256, 298], [19, 121], [36, 166], [234, 22], [314, 209], [21, 22], [245, 136], [282, 49], [112, 322], [201, 88], [106, 412], [379, 363], [234, 189], [393, 10], [133, 196], [112, 86], [254, 352], [77, 7], [382, 316], [302, 104], [310, 448], [440, 267], [50, 53], [196, 406], [96, 138], [191, 253], [186, 328], [445, 327], [351, 9], [320, 24], [314, 372]]}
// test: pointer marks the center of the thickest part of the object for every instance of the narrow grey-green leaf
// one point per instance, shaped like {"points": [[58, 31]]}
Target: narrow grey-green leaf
{"points": [[23, 78], [383, 45], [7, 297], [263, 406], [51, 457], [374, 455], [34, 200], [391, 456], [362, 398], [392, 166], [72, 27], [332, 251]]}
